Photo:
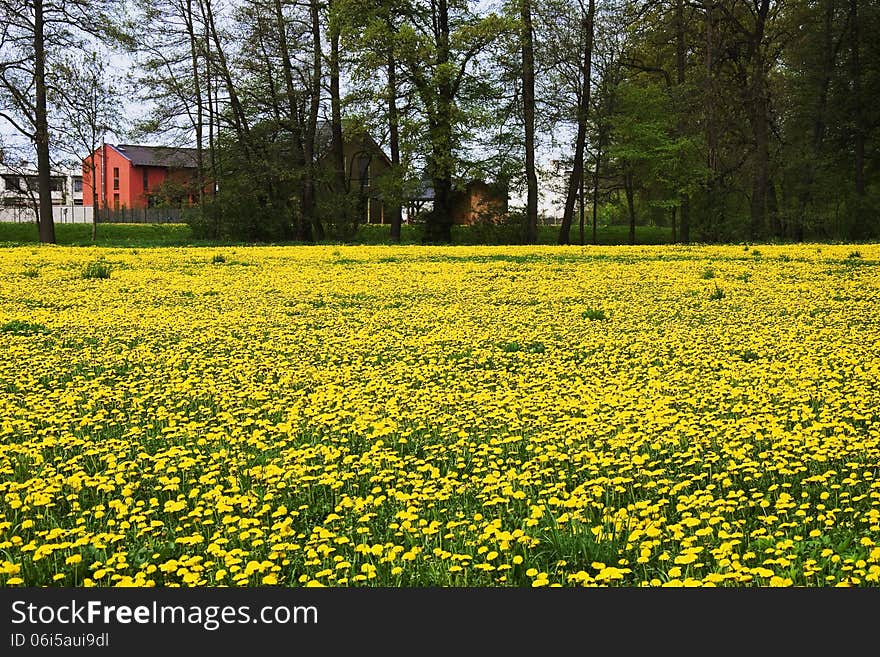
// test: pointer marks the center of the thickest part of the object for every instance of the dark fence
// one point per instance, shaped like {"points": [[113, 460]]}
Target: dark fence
{"points": [[140, 216]]}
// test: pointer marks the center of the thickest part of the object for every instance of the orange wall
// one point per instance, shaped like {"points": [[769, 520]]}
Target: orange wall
{"points": [[87, 178], [114, 159], [155, 177], [131, 180]]}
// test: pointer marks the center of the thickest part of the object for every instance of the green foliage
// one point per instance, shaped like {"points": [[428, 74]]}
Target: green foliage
{"points": [[594, 314], [21, 327], [259, 196], [646, 145], [97, 269], [111, 235]]}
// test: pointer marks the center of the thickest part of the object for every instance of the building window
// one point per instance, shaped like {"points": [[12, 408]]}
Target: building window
{"points": [[77, 184], [116, 201], [56, 184], [146, 180], [362, 169], [115, 177], [13, 183]]}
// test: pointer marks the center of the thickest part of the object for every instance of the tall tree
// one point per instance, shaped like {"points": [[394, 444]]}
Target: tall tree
{"points": [[34, 36], [576, 178], [438, 42], [528, 100]]}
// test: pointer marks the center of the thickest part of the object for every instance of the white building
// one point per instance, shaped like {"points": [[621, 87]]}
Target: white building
{"points": [[18, 195]]}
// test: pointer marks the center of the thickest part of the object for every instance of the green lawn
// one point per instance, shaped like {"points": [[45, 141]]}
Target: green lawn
{"points": [[113, 235], [148, 235]]}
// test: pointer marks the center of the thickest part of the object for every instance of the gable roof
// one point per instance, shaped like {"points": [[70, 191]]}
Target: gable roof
{"points": [[159, 156], [324, 138]]}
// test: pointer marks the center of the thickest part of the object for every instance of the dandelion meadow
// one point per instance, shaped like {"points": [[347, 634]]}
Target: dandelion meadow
{"points": [[440, 416]]}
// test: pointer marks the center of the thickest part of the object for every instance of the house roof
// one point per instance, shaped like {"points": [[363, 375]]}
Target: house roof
{"points": [[159, 156], [324, 138]]}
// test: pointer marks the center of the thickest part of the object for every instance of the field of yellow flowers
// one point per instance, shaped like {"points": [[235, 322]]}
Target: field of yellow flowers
{"points": [[440, 416]]}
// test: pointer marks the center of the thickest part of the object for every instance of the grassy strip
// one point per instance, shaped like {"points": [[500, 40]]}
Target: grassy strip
{"points": [[153, 235]]}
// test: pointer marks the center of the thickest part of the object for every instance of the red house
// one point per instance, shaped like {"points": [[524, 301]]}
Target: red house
{"points": [[134, 177]]}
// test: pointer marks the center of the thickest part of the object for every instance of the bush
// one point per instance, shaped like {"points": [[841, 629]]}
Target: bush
{"points": [[594, 314], [97, 269]]}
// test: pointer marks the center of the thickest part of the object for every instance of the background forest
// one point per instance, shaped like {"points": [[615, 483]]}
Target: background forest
{"points": [[725, 120]]}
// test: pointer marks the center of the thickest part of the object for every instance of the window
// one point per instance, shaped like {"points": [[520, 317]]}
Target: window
{"points": [[77, 184], [56, 184], [362, 169], [146, 180], [13, 183], [115, 177], [116, 201]]}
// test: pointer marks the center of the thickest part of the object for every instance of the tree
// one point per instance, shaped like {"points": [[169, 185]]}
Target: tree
{"points": [[568, 54], [437, 43], [528, 100], [35, 35], [381, 98], [86, 105]]}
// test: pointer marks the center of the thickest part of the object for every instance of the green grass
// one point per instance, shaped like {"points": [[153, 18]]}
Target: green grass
{"points": [[97, 269], [153, 235], [594, 314], [21, 327], [112, 235], [547, 235]]}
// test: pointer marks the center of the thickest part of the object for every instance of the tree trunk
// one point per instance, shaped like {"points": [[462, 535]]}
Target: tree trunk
{"points": [[629, 188], [199, 122], [581, 210], [528, 93], [394, 140], [46, 223], [596, 188], [760, 120], [213, 115], [858, 226], [438, 226], [680, 68], [577, 173], [713, 186], [337, 155], [238, 116], [312, 228]]}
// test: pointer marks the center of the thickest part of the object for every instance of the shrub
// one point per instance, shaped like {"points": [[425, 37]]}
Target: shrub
{"points": [[96, 269]]}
